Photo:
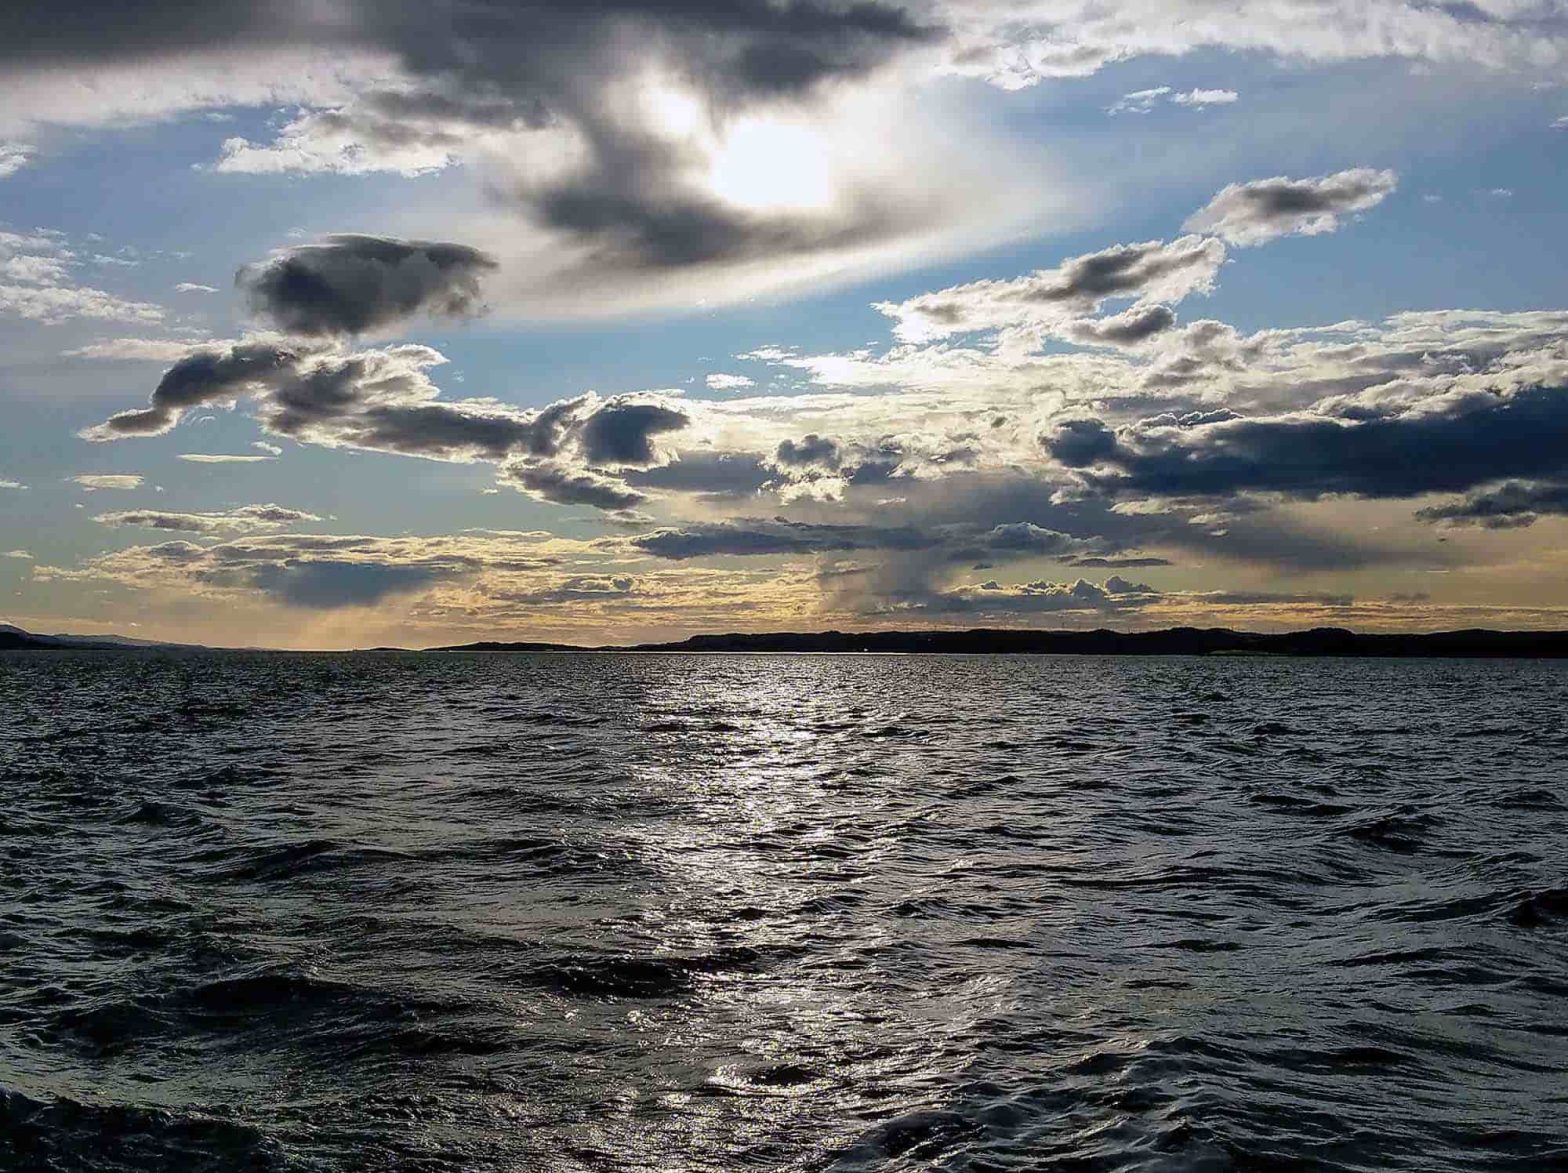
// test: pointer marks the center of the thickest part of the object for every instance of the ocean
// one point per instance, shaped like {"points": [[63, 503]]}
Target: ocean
{"points": [[641, 912]]}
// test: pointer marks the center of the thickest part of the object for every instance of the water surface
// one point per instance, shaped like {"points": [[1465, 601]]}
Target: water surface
{"points": [[552, 912]]}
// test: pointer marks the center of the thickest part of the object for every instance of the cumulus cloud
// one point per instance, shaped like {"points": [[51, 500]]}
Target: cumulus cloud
{"points": [[348, 284], [573, 451], [241, 519], [1446, 442], [1128, 328], [719, 381], [1264, 209]]}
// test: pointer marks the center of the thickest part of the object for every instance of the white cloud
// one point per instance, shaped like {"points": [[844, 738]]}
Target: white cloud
{"points": [[1201, 98], [1139, 101], [52, 305], [1151, 271], [35, 285], [1264, 209], [718, 381], [164, 350], [245, 518], [194, 287], [19, 554], [13, 157], [5, 484], [1014, 44], [119, 481], [220, 458]]}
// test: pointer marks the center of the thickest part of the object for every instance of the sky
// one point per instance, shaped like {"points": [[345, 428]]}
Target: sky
{"points": [[342, 323]]}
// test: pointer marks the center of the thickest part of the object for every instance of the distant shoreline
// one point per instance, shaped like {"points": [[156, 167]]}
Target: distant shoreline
{"points": [[1176, 641], [1474, 643]]}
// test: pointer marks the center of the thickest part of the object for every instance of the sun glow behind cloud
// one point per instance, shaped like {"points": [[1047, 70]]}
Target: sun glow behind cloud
{"points": [[767, 162]]}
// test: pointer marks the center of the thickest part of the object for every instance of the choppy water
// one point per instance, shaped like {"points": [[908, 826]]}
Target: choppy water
{"points": [[282, 912]]}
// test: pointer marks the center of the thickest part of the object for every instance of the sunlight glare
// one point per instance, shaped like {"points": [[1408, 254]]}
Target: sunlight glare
{"points": [[768, 163]]}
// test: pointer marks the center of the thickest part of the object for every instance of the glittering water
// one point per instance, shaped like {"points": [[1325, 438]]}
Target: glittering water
{"points": [[727, 912]]}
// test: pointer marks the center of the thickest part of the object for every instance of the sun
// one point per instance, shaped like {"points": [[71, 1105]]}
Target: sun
{"points": [[765, 162]]}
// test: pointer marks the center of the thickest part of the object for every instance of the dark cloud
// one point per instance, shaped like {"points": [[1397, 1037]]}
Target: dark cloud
{"points": [[1129, 328], [1099, 563], [1153, 270], [621, 433], [566, 487], [327, 583], [349, 284], [768, 536], [1511, 505], [469, 70], [571, 451], [1251, 213], [211, 375], [810, 451], [709, 474], [1445, 445], [1079, 443]]}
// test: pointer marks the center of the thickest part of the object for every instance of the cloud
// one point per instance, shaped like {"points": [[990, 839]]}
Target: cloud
{"points": [[1144, 101], [36, 285], [51, 305], [327, 584], [550, 482], [269, 449], [5, 484], [718, 381], [348, 284], [315, 571], [1128, 328], [1252, 213], [572, 451], [810, 451], [241, 519], [1200, 98], [20, 555], [194, 287], [220, 458], [1018, 43], [1445, 442], [13, 157], [164, 350], [1510, 505], [1152, 271], [95, 480], [755, 537], [1139, 101]]}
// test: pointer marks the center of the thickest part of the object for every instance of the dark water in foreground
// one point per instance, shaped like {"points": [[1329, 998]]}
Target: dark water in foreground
{"points": [[714, 913]]}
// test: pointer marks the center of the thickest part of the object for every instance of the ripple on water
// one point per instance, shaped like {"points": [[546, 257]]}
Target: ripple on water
{"points": [[484, 913]]}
